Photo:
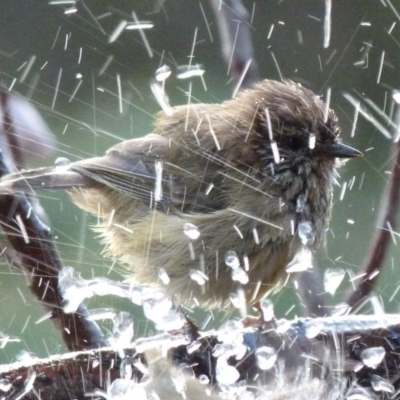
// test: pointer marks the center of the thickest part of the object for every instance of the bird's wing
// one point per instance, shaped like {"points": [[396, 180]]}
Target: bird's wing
{"points": [[157, 168], [27, 181], [150, 168]]}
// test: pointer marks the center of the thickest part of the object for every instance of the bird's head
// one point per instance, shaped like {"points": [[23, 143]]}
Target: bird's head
{"points": [[295, 124]]}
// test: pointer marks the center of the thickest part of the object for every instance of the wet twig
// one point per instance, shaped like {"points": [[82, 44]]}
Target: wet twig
{"points": [[34, 253], [306, 347], [386, 224], [61, 377]]}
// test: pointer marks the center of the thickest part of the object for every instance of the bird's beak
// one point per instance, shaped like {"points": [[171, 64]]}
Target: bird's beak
{"points": [[338, 150]]}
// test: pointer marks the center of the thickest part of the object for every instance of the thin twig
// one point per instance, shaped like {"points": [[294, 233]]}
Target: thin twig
{"points": [[35, 254], [386, 223], [32, 240], [306, 347]]}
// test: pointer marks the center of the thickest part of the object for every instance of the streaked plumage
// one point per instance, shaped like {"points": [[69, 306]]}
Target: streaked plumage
{"points": [[245, 172]]}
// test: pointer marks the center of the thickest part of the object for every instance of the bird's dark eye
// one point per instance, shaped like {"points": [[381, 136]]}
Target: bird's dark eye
{"points": [[295, 143]]}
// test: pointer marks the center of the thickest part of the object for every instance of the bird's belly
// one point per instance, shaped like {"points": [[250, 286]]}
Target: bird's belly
{"points": [[193, 250]]}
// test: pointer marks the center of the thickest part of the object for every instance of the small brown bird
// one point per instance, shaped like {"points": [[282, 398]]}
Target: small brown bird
{"points": [[219, 197]]}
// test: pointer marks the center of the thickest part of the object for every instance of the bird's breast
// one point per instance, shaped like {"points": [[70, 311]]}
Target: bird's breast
{"points": [[308, 193]]}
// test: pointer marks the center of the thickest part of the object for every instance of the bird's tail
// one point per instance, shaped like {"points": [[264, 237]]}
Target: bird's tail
{"points": [[41, 178]]}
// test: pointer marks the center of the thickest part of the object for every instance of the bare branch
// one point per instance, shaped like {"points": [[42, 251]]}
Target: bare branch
{"points": [[330, 349], [36, 255], [386, 223]]}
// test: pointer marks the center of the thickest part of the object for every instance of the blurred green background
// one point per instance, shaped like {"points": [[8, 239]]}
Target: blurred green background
{"points": [[71, 50]]}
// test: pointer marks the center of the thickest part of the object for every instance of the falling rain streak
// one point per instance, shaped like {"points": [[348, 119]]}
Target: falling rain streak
{"points": [[99, 53]]}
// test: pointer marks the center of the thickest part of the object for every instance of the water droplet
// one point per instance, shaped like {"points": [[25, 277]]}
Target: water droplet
{"points": [[306, 233], [163, 276], [275, 152], [62, 162], [358, 393], [267, 309], [138, 25], [191, 231], [240, 275], [231, 333], [156, 304], [193, 346], [313, 329], [247, 395], [122, 333], [123, 389], [283, 325], [25, 356], [204, 379], [209, 188], [161, 97], [246, 263], [380, 384], [232, 260], [143, 368], [301, 261], [135, 294], [189, 71], [72, 289], [396, 96], [5, 385], [266, 357], [163, 73], [172, 321], [158, 193], [255, 236], [333, 277], [372, 356], [125, 369], [357, 366], [240, 352], [198, 276], [341, 309], [300, 203], [311, 141], [236, 300], [225, 373]]}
